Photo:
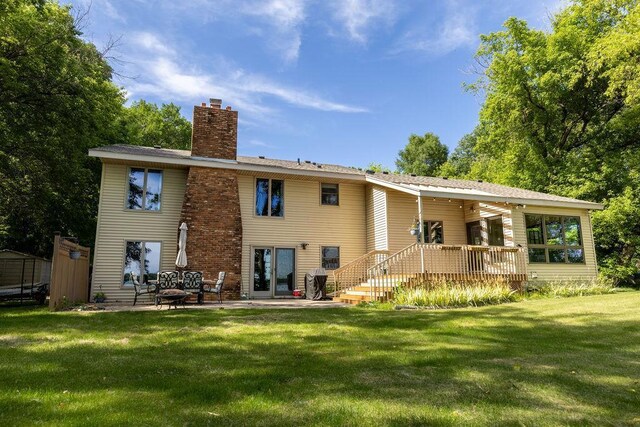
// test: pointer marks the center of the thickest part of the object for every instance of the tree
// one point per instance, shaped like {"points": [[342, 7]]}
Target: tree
{"points": [[460, 161], [561, 113], [378, 167], [146, 124], [423, 155], [56, 102]]}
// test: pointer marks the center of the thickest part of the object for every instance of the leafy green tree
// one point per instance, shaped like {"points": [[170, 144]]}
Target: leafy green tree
{"points": [[147, 124], [378, 167], [460, 161], [561, 113], [423, 155], [56, 102]]}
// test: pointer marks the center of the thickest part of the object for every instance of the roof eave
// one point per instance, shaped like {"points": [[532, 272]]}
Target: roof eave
{"points": [[579, 204], [220, 164]]}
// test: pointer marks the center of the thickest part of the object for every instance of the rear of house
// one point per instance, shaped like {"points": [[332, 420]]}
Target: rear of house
{"points": [[267, 222]]}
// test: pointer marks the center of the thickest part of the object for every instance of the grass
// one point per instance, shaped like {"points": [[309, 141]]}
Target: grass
{"points": [[448, 294], [538, 362]]}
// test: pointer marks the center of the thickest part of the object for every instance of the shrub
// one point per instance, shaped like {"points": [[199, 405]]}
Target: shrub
{"points": [[445, 294]]}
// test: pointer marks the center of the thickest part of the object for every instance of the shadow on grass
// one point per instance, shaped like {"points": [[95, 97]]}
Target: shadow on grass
{"points": [[503, 364]]}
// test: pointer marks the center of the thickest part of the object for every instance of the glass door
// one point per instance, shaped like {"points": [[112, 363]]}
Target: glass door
{"points": [[262, 273], [285, 271]]}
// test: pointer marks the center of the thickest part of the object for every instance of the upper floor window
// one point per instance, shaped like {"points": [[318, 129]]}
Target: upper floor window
{"points": [[433, 232], [269, 197], [329, 194], [554, 238], [495, 231], [144, 189]]}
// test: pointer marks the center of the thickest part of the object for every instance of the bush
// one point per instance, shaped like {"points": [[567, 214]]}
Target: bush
{"points": [[445, 294]]}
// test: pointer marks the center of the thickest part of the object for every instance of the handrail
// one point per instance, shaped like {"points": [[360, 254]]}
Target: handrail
{"points": [[449, 262], [355, 272]]}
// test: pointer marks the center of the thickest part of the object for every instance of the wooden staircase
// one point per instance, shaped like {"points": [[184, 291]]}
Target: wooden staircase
{"points": [[375, 275]]}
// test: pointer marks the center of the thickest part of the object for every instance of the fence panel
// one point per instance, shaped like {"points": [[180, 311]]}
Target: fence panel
{"points": [[69, 277]]}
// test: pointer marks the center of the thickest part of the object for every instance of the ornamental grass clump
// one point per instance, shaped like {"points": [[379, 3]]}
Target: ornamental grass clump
{"points": [[556, 289], [448, 294]]}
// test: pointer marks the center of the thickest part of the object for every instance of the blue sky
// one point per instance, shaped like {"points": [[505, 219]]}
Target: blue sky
{"points": [[341, 82]]}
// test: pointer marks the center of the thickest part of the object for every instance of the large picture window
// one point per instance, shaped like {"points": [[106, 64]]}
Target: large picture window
{"points": [[433, 232], [269, 197], [554, 239], [330, 257], [144, 189], [141, 262]]}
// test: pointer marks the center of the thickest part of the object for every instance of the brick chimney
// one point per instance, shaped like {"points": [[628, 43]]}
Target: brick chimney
{"points": [[211, 205], [215, 131]]}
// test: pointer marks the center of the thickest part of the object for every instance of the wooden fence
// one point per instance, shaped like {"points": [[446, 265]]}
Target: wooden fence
{"points": [[69, 277]]}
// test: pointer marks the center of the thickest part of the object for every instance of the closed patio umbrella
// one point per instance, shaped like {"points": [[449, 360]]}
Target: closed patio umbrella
{"points": [[181, 260]]}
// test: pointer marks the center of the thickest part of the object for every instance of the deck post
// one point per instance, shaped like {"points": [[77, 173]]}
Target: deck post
{"points": [[421, 228]]}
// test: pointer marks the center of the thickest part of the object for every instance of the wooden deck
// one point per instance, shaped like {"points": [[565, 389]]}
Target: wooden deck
{"points": [[375, 276]]}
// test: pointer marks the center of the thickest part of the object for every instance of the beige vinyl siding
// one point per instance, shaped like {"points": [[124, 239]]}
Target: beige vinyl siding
{"points": [[483, 210], [377, 216], [402, 209], [558, 271], [117, 225], [305, 220]]}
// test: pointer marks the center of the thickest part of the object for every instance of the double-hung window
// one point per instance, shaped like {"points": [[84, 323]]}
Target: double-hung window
{"points": [[554, 239], [269, 197], [330, 257], [329, 194], [144, 189], [141, 262]]}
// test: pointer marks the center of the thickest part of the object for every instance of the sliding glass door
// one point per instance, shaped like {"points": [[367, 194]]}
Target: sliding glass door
{"points": [[273, 272]]}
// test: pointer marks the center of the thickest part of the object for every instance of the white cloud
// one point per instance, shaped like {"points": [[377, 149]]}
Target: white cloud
{"points": [[458, 29], [150, 42], [162, 75], [358, 16]]}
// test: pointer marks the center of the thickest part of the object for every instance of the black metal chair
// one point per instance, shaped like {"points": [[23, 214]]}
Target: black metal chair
{"points": [[217, 288], [167, 280], [142, 288], [192, 282]]}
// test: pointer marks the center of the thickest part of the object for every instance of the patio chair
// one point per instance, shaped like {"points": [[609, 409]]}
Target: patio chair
{"points": [[217, 288], [142, 288], [192, 282], [167, 280]]}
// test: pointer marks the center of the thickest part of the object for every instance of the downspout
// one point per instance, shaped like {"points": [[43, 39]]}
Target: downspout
{"points": [[421, 231]]}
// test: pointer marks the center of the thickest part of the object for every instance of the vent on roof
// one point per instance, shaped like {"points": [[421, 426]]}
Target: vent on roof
{"points": [[157, 146], [479, 180], [385, 172], [298, 160], [261, 157], [445, 177], [413, 174], [313, 163], [319, 166], [307, 161], [370, 172]]}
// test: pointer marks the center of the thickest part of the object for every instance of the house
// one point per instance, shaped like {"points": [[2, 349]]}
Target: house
{"points": [[266, 222]]}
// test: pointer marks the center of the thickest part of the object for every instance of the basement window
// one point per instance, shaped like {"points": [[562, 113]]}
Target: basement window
{"points": [[144, 189], [269, 197]]}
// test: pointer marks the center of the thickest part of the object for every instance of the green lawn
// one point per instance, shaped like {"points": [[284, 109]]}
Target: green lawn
{"points": [[552, 361]]}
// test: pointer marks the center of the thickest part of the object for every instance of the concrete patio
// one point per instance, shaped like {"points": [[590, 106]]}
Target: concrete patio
{"points": [[227, 305]]}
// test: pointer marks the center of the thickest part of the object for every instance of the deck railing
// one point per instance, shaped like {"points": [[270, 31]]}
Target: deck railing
{"points": [[355, 272], [449, 262]]}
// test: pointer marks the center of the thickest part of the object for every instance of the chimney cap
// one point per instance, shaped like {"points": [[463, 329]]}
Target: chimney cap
{"points": [[215, 102]]}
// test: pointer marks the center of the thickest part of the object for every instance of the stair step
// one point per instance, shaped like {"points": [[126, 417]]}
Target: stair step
{"points": [[366, 293]]}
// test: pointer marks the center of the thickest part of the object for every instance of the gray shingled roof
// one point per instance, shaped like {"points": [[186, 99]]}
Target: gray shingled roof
{"points": [[398, 179]]}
